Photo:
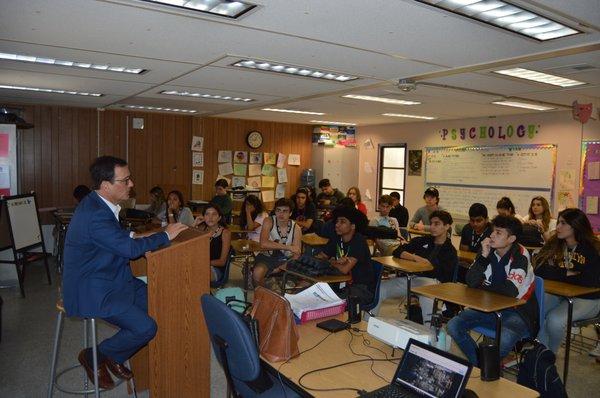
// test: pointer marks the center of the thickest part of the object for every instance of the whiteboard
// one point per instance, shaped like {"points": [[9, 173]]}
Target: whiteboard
{"points": [[24, 221], [510, 166], [457, 200], [465, 175]]}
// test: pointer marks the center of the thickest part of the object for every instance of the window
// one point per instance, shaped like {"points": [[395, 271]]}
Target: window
{"points": [[392, 169]]}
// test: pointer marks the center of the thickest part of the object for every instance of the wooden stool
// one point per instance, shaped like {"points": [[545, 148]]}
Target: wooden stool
{"points": [[55, 376]]}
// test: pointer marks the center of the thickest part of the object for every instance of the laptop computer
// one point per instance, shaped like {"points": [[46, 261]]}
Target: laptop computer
{"points": [[426, 371]]}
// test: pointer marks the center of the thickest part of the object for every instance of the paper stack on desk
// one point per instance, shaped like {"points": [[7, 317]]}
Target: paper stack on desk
{"points": [[318, 296]]}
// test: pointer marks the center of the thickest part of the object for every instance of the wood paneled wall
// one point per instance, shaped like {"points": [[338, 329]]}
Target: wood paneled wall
{"points": [[230, 134], [55, 155]]}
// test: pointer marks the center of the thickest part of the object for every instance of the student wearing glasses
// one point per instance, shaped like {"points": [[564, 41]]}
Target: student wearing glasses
{"points": [[282, 236]]}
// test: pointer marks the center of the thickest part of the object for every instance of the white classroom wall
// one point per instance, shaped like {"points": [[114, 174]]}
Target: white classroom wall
{"points": [[553, 128]]}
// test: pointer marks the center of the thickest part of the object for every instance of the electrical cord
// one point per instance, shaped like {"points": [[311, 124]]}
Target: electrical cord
{"points": [[302, 352], [333, 367], [364, 355]]}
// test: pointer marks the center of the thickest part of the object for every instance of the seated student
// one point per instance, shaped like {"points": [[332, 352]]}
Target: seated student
{"points": [[282, 236], [386, 246], [176, 211], [349, 253], [540, 217], [252, 217], [220, 239], [328, 229], [329, 196], [436, 249], [222, 199], [398, 211], [503, 266], [420, 219], [80, 192], [572, 256], [158, 204], [505, 207], [354, 194], [477, 229], [305, 212]]}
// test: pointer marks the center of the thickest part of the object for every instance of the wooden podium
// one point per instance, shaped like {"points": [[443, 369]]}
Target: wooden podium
{"points": [[176, 363]]}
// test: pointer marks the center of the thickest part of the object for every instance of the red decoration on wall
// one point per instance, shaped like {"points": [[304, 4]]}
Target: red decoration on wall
{"points": [[582, 112]]}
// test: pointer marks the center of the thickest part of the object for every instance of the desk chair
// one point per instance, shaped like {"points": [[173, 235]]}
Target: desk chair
{"points": [[225, 275], [539, 295], [584, 344], [237, 353], [378, 268]]}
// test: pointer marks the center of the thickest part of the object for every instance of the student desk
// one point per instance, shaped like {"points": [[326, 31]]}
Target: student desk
{"points": [[246, 248], [314, 240], [477, 299], [466, 256], [334, 349], [568, 291], [414, 231], [408, 267], [314, 279]]}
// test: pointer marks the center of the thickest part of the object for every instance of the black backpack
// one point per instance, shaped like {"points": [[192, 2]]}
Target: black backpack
{"points": [[538, 372]]}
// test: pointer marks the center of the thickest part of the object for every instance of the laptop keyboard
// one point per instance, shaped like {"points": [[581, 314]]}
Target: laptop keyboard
{"points": [[391, 391]]}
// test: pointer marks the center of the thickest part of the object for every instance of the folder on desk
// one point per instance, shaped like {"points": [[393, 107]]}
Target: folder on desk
{"points": [[318, 296]]}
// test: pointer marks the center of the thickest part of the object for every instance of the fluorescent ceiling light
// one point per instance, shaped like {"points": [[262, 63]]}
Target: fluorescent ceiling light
{"points": [[507, 16], [74, 64], [409, 116], [205, 96], [292, 111], [525, 105], [381, 99], [50, 90], [535, 76], [292, 70], [158, 108], [223, 8], [330, 122]]}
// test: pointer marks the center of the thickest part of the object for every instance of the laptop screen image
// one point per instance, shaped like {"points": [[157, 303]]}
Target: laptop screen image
{"points": [[432, 372]]}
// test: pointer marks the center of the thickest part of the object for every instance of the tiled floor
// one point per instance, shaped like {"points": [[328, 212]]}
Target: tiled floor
{"points": [[28, 331]]}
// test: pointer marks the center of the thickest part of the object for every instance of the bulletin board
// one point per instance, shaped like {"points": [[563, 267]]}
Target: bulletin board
{"points": [[469, 174], [590, 182]]}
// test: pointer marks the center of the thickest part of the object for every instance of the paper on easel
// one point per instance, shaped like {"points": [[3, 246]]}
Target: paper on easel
{"points": [[320, 295], [593, 171], [591, 205]]}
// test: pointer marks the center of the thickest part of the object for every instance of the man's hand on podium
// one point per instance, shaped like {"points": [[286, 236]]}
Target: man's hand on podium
{"points": [[175, 229]]}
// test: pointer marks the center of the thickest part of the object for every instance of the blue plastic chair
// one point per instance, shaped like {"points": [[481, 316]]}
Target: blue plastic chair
{"points": [[539, 295], [378, 268], [237, 353], [225, 274]]}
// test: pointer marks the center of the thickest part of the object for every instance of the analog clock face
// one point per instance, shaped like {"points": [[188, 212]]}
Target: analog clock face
{"points": [[254, 139]]}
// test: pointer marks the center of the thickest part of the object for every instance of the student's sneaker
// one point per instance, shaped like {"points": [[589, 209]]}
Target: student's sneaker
{"points": [[596, 351]]}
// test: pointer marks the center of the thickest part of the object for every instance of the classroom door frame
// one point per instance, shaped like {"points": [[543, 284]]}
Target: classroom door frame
{"points": [[380, 150]]}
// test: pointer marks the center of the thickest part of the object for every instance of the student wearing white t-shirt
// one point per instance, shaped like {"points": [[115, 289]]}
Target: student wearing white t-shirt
{"points": [[252, 217]]}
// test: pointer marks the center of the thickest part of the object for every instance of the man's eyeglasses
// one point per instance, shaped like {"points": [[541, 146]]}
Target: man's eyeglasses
{"points": [[123, 180]]}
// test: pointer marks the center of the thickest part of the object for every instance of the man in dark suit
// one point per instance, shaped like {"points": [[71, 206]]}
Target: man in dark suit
{"points": [[97, 279]]}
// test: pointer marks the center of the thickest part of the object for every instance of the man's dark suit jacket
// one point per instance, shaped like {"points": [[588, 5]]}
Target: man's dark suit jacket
{"points": [[97, 279]]}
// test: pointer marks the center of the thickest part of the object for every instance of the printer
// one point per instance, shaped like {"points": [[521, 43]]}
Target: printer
{"points": [[397, 332]]}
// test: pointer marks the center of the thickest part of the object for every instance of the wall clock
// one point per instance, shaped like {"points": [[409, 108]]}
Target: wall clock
{"points": [[254, 139]]}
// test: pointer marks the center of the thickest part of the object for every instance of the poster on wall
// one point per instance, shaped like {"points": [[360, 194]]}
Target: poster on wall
{"points": [[294, 159], [224, 157], [256, 157], [198, 159], [590, 182], [240, 157], [197, 143], [415, 162], [198, 177]]}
